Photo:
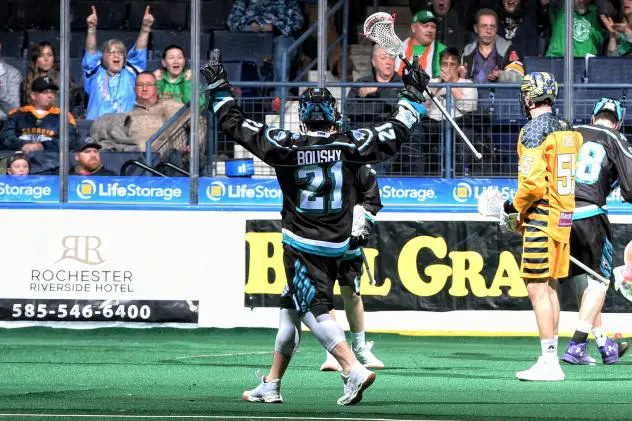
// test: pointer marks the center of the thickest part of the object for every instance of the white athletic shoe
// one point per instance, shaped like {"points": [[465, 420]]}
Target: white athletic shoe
{"points": [[543, 371], [330, 364], [266, 392], [358, 380], [366, 357]]}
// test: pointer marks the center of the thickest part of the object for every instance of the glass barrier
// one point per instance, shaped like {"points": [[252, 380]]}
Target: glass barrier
{"points": [[138, 129]]}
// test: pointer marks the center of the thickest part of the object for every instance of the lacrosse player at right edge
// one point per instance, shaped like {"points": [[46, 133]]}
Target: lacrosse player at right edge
{"points": [[604, 161], [542, 210]]}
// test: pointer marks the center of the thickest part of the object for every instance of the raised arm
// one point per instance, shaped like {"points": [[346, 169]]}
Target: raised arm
{"points": [[143, 36], [91, 35]]}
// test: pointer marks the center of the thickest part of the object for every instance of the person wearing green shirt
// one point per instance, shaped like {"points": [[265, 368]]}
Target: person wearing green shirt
{"points": [[620, 42], [422, 43], [587, 32], [174, 79]]}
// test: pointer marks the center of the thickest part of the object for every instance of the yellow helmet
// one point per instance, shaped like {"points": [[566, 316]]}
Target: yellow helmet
{"points": [[540, 86]]}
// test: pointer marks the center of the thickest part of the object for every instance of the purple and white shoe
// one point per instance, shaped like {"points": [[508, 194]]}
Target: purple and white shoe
{"points": [[577, 354], [612, 351]]}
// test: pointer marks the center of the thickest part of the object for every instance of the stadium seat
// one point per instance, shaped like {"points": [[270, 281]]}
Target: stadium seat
{"points": [[13, 44], [214, 15], [35, 36], [161, 38], [243, 46], [19, 63], [167, 14], [609, 70], [555, 65], [112, 14]]}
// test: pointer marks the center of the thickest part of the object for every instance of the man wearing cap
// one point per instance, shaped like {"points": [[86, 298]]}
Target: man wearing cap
{"points": [[35, 127], [88, 159], [491, 58], [422, 43], [18, 164]]}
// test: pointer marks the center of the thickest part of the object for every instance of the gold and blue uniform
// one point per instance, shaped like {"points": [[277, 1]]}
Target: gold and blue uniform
{"points": [[545, 199]]}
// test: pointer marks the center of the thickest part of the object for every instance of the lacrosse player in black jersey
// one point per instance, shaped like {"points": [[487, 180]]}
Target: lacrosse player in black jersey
{"points": [[350, 270], [316, 170], [604, 160]]}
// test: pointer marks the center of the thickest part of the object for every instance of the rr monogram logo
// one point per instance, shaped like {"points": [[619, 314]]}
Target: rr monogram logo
{"points": [[84, 249]]}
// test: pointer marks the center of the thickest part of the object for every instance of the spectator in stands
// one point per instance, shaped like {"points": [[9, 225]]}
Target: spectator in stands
{"points": [[281, 18], [491, 58], [35, 127], [374, 103], [422, 43], [44, 64], [451, 30], [519, 24], [174, 78], [10, 79], [620, 34], [150, 112], [88, 159], [588, 35], [463, 99], [110, 74], [18, 164]]}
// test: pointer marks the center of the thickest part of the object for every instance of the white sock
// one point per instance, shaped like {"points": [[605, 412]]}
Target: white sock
{"points": [[556, 339], [549, 349], [600, 336], [357, 339]]}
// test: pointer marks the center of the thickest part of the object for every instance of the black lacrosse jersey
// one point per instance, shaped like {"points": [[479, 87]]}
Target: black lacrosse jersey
{"points": [[604, 161], [368, 190], [317, 171]]}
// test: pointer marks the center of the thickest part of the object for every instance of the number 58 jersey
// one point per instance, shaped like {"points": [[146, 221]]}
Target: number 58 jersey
{"points": [[317, 171], [604, 161], [547, 151]]}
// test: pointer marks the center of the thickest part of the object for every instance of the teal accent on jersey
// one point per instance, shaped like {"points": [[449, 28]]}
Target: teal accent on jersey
{"points": [[318, 250], [588, 213], [352, 254], [537, 130]]}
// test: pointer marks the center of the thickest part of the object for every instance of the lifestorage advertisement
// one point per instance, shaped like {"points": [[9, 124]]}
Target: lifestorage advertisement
{"points": [[433, 266]]}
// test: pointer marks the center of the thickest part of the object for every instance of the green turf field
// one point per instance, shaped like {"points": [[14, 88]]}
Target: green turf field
{"points": [[171, 374]]}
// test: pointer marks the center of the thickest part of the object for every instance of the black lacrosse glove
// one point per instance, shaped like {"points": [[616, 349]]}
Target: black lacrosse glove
{"points": [[215, 74], [415, 82]]}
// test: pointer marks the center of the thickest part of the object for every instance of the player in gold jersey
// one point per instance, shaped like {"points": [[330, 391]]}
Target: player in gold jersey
{"points": [[543, 205]]}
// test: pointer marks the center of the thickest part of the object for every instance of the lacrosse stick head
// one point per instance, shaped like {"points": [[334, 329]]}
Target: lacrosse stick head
{"points": [[379, 28], [490, 203]]}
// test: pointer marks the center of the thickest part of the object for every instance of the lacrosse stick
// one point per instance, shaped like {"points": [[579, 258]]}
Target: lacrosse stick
{"points": [[490, 203], [379, 28], [366, 266]]}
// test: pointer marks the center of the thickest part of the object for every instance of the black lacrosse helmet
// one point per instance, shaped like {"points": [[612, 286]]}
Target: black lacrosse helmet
{"points": [[317, 108]]}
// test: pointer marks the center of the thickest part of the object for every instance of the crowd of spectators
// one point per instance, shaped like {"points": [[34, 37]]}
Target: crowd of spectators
{"points": [[457, 41]]}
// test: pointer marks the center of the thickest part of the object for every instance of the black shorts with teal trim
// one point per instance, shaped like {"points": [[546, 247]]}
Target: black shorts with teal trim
{"points": [[591, 244], [310, 281], [350, 271]]}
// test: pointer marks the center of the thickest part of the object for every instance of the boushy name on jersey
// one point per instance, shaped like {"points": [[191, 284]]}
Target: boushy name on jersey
{"points": [[317, 157]]}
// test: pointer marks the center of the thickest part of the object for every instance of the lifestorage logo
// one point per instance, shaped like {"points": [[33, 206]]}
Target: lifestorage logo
{"points": [[147, 190], [216, 191], [235, 194], [40, 189], [462, 192]]}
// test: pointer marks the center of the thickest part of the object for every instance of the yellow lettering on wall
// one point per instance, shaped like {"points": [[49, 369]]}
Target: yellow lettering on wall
{"points": [[365, 283], [467, 265], [508, 275], [409, 272], [260, 263]]}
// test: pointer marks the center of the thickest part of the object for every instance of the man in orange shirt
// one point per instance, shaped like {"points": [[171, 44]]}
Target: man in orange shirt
{"points": [[544, 204]]}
